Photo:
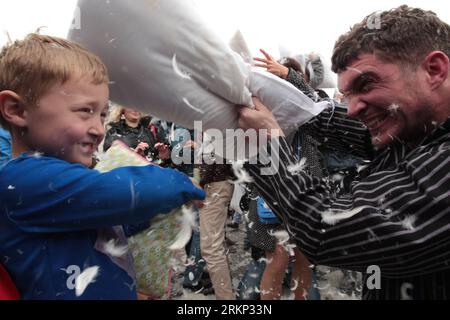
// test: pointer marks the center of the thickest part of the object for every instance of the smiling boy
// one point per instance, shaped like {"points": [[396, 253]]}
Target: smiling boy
{"points": [[53, 208]]}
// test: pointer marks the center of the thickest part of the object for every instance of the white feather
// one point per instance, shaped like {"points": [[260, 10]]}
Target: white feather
{"points": [[112, 249], [290, 248], [36, 154], [296, 168], [267, 261], [408, 222], [190, 261], [295, 285], [239, 172], [84, 279], [361, 168], [187, 225], [332, 217], [282, 236], [192, 107], [404, 291], [177, 69], [393, 108], [283, 239]]}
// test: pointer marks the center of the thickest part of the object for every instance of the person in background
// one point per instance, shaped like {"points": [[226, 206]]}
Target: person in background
{"points": [[215, 177], [55, 222], [137, 132]]}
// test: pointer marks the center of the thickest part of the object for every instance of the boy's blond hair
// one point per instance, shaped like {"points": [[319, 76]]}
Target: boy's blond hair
{"points": [[30, 67]]}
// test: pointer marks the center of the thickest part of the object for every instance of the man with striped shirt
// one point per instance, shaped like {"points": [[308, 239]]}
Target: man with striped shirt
{"points": [[395, 77]]}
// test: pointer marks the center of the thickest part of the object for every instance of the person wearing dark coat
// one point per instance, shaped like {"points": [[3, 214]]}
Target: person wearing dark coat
{"points": [[138, 133]]}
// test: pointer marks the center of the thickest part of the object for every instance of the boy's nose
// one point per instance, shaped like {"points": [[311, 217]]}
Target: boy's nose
{"points": [[97, 129]]}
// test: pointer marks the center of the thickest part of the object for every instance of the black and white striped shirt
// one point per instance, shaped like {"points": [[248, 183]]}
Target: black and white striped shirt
{"points": [[400, 221]]}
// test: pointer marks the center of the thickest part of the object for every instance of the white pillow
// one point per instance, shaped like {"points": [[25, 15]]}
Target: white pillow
{"points": [[238, 44], [162, 59], [290, 106]]}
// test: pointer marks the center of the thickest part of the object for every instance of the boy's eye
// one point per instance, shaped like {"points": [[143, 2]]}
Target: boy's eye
{"points": [[86, 110]]}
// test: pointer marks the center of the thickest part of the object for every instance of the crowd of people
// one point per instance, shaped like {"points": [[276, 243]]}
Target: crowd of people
{"points": [[371, 184]]}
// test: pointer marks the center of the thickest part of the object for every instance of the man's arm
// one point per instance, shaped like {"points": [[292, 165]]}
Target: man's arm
{"points": [[333, 125], [334, 128], [297, 79], [398, 217]]}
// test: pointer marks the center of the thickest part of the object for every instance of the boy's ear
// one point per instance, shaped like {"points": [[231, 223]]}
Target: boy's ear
{"points": [[13, 109]]}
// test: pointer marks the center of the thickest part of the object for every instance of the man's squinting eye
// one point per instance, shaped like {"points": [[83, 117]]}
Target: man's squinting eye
{"points": [[363, 83]]}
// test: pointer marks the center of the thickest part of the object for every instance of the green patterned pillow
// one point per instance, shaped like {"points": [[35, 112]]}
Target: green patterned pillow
{"points": [[150, 248]]}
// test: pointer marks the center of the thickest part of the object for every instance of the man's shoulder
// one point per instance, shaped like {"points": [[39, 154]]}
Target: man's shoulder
{"points": [[440, 134]]}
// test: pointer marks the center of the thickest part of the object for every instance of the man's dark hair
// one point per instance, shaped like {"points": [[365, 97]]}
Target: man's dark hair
{"points": [[403, 35]]}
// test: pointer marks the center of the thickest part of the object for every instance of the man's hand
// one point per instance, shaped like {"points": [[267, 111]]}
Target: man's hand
{"points": [[272, 65], [259, 118]]}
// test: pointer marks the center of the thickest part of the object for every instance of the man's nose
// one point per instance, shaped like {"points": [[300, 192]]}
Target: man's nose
{"points": [[356, 107]]}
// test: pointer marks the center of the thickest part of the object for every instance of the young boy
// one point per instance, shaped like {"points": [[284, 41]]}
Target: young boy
{"points": [[53, 208]]}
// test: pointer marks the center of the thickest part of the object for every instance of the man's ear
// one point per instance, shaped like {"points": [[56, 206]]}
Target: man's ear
{"points": [[436, 65], [13, 109]]}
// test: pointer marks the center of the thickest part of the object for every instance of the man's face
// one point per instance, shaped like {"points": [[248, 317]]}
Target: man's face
{"points": [[68, 121], [393, 103]]}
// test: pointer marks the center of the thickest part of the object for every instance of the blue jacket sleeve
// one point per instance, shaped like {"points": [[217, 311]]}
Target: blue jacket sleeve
{"points": [[50, 195]]}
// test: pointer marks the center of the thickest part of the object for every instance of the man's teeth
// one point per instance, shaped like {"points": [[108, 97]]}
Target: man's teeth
{"points": [[376, 122]]}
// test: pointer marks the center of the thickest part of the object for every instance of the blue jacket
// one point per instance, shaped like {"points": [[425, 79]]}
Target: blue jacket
{"points": [[50, 211], [5, 146]]}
